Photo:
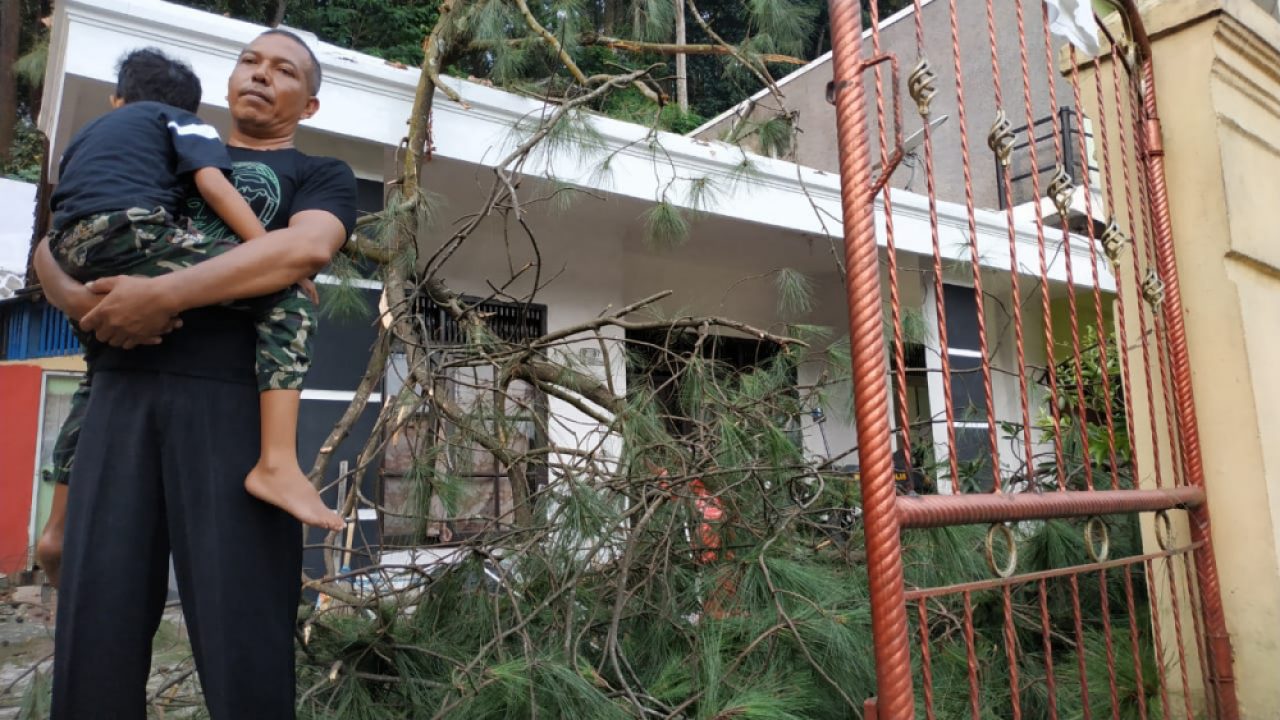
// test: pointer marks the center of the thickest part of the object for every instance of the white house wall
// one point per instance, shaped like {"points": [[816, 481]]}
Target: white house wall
{"points": [[606, 265], [760, 216], [583, 275], [366, 100], [733, 275], [17, 200]]}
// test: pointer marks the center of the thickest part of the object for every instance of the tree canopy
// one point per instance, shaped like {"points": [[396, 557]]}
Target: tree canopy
{"points": [[734, 48]]}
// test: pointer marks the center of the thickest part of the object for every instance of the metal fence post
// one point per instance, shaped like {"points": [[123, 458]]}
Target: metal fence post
{"points": [[894, 699]]}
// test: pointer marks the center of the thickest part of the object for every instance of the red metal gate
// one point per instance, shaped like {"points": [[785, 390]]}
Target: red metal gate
{"points": [[1055, 447]]}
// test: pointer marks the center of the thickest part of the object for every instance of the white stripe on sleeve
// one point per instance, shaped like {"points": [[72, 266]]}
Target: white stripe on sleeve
{"points": [[204, 131]]}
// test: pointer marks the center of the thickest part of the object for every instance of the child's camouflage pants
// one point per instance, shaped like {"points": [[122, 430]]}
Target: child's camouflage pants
{"points": [[150, 243]]}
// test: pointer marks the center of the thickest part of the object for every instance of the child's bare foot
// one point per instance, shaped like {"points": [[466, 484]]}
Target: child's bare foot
{"points": [[49, 552], [289, 490]]}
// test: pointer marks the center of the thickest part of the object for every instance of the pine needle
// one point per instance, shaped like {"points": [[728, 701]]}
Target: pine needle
{"points": [[776, 136], [795, 292], [30, 68], [665, 227]]}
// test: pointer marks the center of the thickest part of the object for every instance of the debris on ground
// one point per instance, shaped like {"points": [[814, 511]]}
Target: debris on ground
{"points": [[26, 654]]}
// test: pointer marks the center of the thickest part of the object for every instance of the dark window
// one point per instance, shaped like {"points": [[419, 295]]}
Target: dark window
{"points": [[968, 396], [968, 392], [973, 456], [962, 317], [429, 448], [512, 322], [917, 393], [369, 196], [658, 356]]}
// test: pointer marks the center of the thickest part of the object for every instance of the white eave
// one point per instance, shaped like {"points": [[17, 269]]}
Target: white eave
{"points": [[366, 99]]}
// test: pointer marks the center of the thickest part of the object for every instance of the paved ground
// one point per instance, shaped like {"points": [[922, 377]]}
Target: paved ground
{"points": [[26, 650]]}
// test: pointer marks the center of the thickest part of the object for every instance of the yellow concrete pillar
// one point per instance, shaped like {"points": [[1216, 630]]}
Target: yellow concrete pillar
{"points": [[1217, 65]]}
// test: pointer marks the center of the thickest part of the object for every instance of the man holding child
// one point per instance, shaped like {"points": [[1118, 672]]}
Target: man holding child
{"points": [[175, 429]]}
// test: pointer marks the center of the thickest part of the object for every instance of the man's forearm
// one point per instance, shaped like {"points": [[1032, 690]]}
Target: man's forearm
{"points": [[270, 263]]}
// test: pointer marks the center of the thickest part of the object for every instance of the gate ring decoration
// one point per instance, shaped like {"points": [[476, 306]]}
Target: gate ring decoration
{"points": [[1164, 530], [1011, 562], [1097, 528]]}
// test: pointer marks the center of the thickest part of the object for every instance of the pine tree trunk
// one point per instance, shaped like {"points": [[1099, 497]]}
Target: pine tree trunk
{"points": [[609, 23], [281, 6], [682, 71], [10, 29]]}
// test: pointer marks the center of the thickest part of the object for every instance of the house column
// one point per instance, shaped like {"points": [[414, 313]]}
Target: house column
{"points": [[1219, 91]]}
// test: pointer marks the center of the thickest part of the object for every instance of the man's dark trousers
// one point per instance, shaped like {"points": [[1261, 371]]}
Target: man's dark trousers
{"points": [[160, 467]]}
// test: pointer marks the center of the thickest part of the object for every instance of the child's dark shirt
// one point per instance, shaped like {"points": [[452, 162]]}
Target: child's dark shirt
{"points": [[139, 155]]}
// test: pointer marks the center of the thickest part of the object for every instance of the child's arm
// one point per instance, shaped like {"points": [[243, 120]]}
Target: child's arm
{"points": [[226, 201]]}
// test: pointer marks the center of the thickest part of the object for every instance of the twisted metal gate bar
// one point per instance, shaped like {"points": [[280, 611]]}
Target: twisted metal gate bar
{"points": [[1120, 214]]}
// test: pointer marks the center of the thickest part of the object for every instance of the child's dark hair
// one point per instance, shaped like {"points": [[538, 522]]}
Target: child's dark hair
{"points": [[149, 74]]}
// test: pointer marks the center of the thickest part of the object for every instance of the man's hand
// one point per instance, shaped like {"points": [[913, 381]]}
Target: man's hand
{"points": [[309, 288], [78, 299], [132, 312]]}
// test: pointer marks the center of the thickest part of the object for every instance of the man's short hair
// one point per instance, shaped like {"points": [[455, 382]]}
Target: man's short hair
{"points": [[149, 74], [314, 75]]}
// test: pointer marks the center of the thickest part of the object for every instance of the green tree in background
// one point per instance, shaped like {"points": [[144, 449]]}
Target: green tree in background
{"points": [[600, 35], [24, 42], [391, 29]]}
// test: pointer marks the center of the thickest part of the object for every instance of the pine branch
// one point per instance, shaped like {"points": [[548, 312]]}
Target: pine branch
{"points": [[278, 16], [579, 383], [640, 46], [759, 71], [552, 43], [434, 50], [558, 49], [374, 371], [795, 631], [558, 393], [616, 320], [368, 251], [643, 47], [171, 682]]}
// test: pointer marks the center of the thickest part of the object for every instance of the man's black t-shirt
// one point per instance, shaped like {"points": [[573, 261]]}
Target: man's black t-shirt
{"points": [[218, 342], [140, 155], [279, 184]]}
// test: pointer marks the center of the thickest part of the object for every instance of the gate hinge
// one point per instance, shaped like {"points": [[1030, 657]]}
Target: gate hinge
{"points": [[1155, 140], [1222, 654]]}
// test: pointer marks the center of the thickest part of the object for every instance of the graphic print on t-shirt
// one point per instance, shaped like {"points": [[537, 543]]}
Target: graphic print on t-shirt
{"points": [[257, 183]]}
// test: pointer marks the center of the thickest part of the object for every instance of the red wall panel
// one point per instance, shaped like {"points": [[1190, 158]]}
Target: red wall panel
{"points": [[19, 427]]}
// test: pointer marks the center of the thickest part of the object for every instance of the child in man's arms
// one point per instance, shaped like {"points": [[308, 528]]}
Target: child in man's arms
{"points": [[122, 180]]}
